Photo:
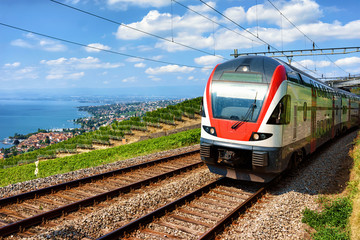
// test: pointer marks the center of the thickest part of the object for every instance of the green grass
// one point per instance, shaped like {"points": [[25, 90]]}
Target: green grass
{"points": [[341, 217], [354, 190], [98, 157], [333, 221]]}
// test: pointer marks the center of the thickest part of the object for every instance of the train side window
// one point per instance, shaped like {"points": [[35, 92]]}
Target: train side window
{"points": [[305, 111], [282, 112], [301, 80], [294, 77]]}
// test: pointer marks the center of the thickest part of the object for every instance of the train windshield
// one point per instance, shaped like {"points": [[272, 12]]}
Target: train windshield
{"points": [[235, 100]]}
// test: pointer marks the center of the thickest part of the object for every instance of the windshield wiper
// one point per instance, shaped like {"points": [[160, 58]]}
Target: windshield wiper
{"points": [[246, 118]]}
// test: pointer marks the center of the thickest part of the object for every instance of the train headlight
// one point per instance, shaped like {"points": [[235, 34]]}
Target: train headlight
{"points": [[245, 68], [210, 130], [259, 136]]}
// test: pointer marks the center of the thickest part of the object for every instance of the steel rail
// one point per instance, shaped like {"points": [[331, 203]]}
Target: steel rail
{"points": [[122, 231], [220, 226], [211, 233], [75, 183], [43, 217]]}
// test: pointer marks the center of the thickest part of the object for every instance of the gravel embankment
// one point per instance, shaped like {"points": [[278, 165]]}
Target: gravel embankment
{"points": [[279, 214]]}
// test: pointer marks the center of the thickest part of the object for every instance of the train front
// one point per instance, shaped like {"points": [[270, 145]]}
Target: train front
{"points": [[242, 106]]}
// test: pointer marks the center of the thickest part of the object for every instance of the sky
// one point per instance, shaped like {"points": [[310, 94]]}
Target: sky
{"points": [[172, 45]]}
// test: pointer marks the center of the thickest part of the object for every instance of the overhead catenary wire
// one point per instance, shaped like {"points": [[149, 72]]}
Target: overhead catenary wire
{"points": [[243, 28], [314, 44], [268, 44], [138, 30], [100, 49], [217, 23]]}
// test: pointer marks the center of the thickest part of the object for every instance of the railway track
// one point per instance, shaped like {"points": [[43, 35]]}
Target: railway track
{"points": [[201, 214], [20, 212]]}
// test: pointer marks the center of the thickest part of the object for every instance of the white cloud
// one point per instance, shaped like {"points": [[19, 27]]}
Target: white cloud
{"points": [[237, 14], [226, 39], [202, 8], [123, 4], [10, 74], [324, 31], [129, 79], [96, 47], [169, 69], [144, 48], [21, 43], [208, 60], [157, 57], [51, 46], [297, 11], [189, 39], [12, 65], [63, 74], [319, 31], [33, 41], [76, 75], [155, 79], [54, 62], [134, 60], [81, 63], [73, 1], [70, 68], [54, 76], [140, 65], [347, 62], [155, 23], [191, 78]]}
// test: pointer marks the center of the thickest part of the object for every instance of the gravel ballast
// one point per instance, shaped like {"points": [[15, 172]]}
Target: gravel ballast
{"points": [[276, 216]]}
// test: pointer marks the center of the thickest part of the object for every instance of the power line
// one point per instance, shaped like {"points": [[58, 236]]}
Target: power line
{"points": [[253, 34], [237, 24], [219, 24], [290, 21], [97, 48], [314, 44], [136, 29]]}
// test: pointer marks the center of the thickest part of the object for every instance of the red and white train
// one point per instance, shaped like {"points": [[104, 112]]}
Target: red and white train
{"points": [[261, 116]]}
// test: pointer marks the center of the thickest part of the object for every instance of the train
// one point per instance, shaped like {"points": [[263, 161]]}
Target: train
{"points": [[262, 116]]}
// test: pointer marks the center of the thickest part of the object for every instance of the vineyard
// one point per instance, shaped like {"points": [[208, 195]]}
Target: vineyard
{"points": [[117, 131]]}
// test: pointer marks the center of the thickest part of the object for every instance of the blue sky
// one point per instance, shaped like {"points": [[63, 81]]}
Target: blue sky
{"points": [[30, 61]]}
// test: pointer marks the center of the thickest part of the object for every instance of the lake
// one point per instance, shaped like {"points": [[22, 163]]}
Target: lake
{"points": [[27, 116]]}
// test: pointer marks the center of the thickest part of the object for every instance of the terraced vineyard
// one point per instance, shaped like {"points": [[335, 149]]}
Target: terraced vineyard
{"points": [[114, 134]]}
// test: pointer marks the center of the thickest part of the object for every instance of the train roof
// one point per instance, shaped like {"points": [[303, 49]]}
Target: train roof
{"points": [[267, 65]]}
